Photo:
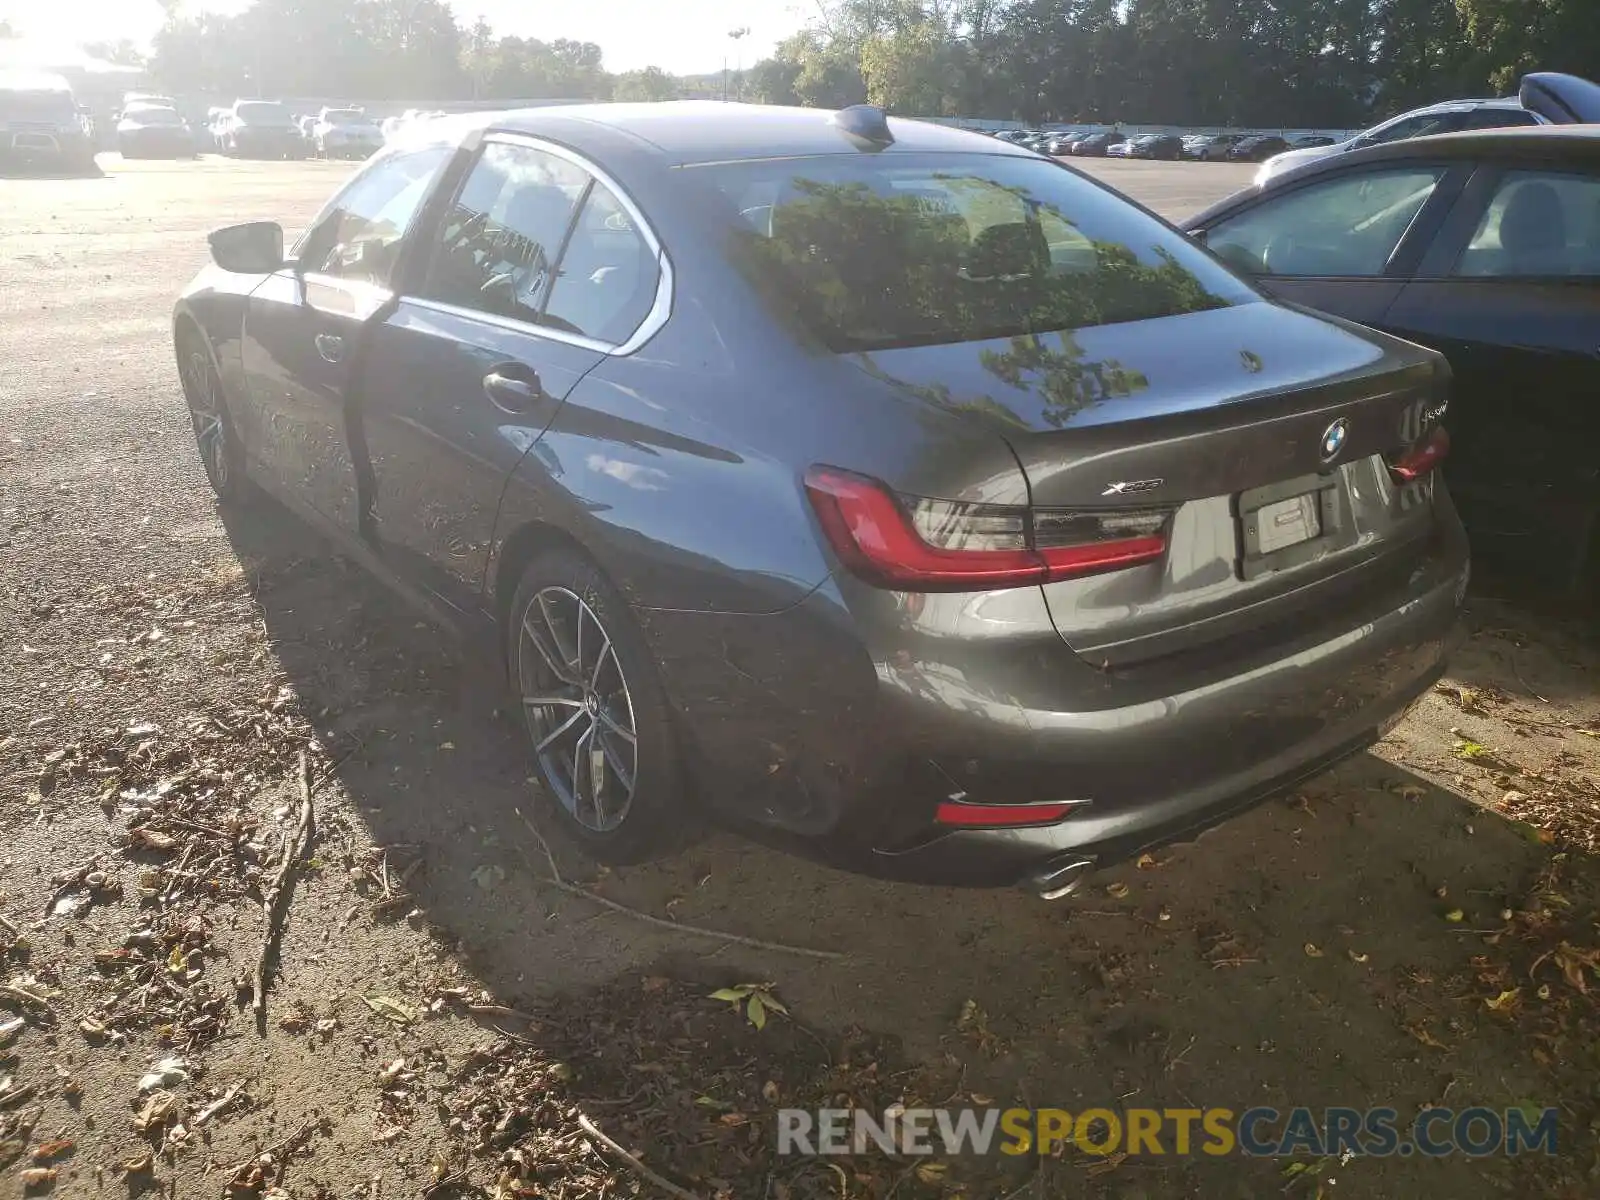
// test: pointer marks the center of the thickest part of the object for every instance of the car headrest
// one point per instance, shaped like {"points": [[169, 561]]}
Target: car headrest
{"points": [[1533, 221], [1018, 248]]}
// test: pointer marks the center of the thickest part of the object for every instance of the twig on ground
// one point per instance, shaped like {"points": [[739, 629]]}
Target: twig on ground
{"points": [[1517, 670], [328, 771], [279, 890], [279, 1154], [555, 880], [632, 1161], [499, 1010]]}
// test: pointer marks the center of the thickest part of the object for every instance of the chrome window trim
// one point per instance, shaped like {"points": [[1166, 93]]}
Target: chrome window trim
{"points": [[660, 309]]}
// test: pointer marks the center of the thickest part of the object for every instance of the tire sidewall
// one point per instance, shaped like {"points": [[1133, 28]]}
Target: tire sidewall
{"points": [[657, 821]]}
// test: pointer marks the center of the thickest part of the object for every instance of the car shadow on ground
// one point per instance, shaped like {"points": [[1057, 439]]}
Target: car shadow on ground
{"points": [[1324, 949], [23, 171]]}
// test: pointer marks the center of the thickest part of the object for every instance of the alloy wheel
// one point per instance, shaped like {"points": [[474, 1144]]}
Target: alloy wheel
{"points": [[578, 709], [205, 415]]}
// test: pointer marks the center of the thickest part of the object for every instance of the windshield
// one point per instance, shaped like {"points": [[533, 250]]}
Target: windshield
{"points": [[262, 112], [901, 250], [36, 105]]}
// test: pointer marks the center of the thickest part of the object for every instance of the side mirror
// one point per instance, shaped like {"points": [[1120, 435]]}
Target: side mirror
{"points": [[255, 248], [1198, 235]]}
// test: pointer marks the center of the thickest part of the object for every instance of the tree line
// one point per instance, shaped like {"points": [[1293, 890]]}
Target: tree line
{"points": [[1305, 63]]}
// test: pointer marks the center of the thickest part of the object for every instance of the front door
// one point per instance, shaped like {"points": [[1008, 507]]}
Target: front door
{"points": [[303, 336], [1513, 300]]}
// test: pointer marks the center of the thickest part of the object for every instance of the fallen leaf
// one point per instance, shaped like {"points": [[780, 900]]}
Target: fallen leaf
{"points": [[1503, 1001], [392, 1009], [1356, 956], [1455, 916], [44, 1152], [35, 1176], [489, 877], [1117, 890], [150, 839], [1313, 950], [157, 1111], [139, 1164]]}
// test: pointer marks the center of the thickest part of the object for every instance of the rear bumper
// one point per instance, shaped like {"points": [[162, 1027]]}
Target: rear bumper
{"points": [[843, 753]]}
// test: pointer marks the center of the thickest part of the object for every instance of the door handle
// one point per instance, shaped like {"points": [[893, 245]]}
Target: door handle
{"points": [[517, 392], [330, 346]]}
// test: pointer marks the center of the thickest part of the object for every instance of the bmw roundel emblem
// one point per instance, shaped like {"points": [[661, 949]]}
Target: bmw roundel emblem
{"points": [[1334, 438]]}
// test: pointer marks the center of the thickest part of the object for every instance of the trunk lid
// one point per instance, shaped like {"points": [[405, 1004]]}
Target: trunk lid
{"points": [[1222, 417]]}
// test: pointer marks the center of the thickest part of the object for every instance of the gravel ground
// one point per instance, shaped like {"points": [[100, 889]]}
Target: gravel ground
{"points": [[446, 1020]]}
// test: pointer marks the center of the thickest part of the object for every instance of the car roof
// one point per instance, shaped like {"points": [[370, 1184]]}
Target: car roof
{"points": [[677, 132]]}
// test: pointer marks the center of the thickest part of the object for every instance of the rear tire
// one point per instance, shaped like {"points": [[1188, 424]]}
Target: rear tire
{"points": [[591, 702]]}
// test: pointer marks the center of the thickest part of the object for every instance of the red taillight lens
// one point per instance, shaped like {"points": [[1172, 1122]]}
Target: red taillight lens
{"points": [[923, 545], [990, 816], [1423, 457]]}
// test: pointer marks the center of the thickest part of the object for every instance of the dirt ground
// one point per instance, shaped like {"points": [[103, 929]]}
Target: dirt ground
{"points": [[1417, 927]]}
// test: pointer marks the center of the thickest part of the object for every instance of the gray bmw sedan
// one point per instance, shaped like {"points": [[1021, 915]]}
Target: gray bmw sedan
{"points": [[887, 490]]}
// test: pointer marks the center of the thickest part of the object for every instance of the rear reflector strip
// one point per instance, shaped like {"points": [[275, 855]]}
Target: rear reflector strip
{"points": [[1423, 457], [997, 816], [918, 545]]}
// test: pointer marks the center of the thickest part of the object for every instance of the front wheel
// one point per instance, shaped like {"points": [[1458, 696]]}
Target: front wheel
{"points": [[595, 714], [221, 455]]}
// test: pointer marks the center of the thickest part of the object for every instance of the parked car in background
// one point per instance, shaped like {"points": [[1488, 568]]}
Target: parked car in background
{"points": [[154, 131], [1060, 145], [1310, 141], [1048, 540], [1485, 246], [1209, 147], [261, 129], [1450, 117], [41, 125], [1095, 145], [346, 133], [1168, 146], [1257, 148], [1119, 149]]}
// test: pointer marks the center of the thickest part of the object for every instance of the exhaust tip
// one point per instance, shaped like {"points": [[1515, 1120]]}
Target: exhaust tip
{"points": [[1060, 878]]}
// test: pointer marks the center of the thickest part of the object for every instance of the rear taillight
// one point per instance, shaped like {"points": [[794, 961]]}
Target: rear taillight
{"points": [[1422, 457], [915, 544], [961, 814]]}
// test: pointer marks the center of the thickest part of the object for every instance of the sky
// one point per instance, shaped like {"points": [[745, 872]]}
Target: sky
{"points": [[685, 37]]}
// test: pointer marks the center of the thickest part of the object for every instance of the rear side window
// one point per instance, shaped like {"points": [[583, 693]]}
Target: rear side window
{"points": [[534, 238], [608, 276], [1497, 118], [871, 252], [1537, 224], [498, 244], [1344, 227]]}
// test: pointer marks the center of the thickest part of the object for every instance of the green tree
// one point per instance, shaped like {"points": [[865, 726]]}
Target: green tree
{"points": [[652, 83]]}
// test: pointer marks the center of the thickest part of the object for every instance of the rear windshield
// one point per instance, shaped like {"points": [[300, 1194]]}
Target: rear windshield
{"points": [[262, 112], [27, 104], [345, 116], [154, 116], [878, 251]]}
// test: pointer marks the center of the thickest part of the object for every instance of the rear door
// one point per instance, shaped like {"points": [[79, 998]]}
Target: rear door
{"points": [[534, 274], [1344, 241], [1510, 292], [303, 328]]}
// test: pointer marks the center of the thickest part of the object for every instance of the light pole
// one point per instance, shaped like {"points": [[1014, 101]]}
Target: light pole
{"points": [[736, 36]]}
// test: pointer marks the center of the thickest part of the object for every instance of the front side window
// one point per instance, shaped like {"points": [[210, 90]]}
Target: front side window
{"points": [[1345, 227], [1537, 223], [873, 252], [497, 246], [360, 236]]}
